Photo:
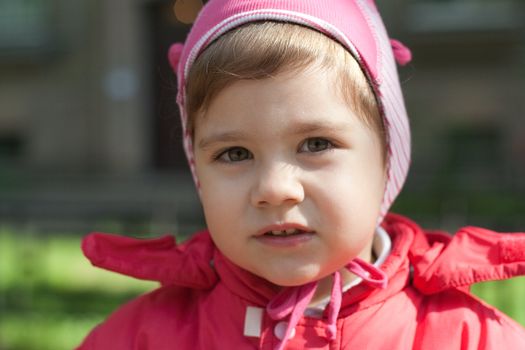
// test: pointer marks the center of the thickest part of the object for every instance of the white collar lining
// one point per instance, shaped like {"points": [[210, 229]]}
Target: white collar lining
{"points": [[382, 245]]}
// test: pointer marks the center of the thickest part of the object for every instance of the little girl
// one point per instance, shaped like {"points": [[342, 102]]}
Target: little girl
{"points": [[298, 139]]}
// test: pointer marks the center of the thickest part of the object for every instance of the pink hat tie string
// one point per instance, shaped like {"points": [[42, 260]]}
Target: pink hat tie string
{"points": [[293, 301]]}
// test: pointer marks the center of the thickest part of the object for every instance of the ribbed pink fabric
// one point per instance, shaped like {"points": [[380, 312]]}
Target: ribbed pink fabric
{"points": [[356, 24]]}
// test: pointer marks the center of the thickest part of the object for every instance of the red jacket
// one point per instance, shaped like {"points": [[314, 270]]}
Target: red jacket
{"points": [[204, 299]]}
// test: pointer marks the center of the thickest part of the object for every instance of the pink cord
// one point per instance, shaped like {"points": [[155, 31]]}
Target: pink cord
{"points": [[293, 301]]}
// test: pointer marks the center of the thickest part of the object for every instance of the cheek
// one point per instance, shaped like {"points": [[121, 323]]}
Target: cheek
{"points": [[349, 196], [370, 175], [221, 199], [213, 201], [218, 218]]}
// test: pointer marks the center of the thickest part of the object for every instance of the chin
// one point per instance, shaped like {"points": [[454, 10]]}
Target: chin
{"points": [[292, 279]]}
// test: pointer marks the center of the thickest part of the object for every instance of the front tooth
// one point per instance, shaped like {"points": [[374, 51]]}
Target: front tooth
{"points": [[290, 231], [278, 233]]}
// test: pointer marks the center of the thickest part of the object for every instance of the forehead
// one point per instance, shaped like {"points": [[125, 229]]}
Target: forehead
{"points": [[273, 47], [302, 100]]}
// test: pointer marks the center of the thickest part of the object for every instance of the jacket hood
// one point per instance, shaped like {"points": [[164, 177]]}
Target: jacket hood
{"points": [[431, 261], [160, 259], [472, 255]]}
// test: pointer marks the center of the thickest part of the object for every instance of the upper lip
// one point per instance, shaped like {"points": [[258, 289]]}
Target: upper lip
{"points": [[283, 227]]}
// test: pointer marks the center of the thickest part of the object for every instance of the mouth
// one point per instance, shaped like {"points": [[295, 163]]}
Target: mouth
{"points": [[287, 236], [283, 229], [285, 233]]}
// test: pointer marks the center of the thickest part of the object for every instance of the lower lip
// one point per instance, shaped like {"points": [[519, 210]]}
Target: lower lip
{"points": [[286, 241]]}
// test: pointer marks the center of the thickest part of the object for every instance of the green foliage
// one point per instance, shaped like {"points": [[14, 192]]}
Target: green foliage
{"points": [[508, 296], [50, 296]]}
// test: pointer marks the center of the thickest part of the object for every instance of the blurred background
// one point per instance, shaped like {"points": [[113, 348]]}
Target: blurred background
{"points": [[90, 140]]}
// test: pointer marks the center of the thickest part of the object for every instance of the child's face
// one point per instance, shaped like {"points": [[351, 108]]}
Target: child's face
{"points": [[287, 153]]}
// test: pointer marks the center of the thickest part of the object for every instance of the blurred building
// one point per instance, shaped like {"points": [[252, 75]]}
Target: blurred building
{"points": [[89, 126]]}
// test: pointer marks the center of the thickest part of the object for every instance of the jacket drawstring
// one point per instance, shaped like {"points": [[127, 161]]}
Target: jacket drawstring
{"points": [[293, 301], [334, 306]]}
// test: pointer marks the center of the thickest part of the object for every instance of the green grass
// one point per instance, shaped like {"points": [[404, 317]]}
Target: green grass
{"points": [[508, 296], [50, 296]]}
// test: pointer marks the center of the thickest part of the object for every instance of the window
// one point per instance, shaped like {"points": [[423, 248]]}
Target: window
{"points": [[25, 26], [464, 15]]}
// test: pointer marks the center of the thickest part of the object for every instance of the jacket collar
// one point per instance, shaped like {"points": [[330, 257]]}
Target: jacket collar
{"points": [[438, 261]]}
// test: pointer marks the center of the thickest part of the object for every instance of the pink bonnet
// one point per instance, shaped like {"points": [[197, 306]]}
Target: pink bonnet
{"points": [[356, 24]]}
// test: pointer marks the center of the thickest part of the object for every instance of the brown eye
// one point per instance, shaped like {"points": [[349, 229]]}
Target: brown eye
{"points": [[235, 154], [316, 144]]}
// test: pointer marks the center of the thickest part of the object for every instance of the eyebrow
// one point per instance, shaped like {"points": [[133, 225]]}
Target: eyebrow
{"points": [[227, 136], [301, 129], [317, 126]]}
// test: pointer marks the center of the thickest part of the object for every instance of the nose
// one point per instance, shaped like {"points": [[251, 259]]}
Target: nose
{"points": [[277, 184]]}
